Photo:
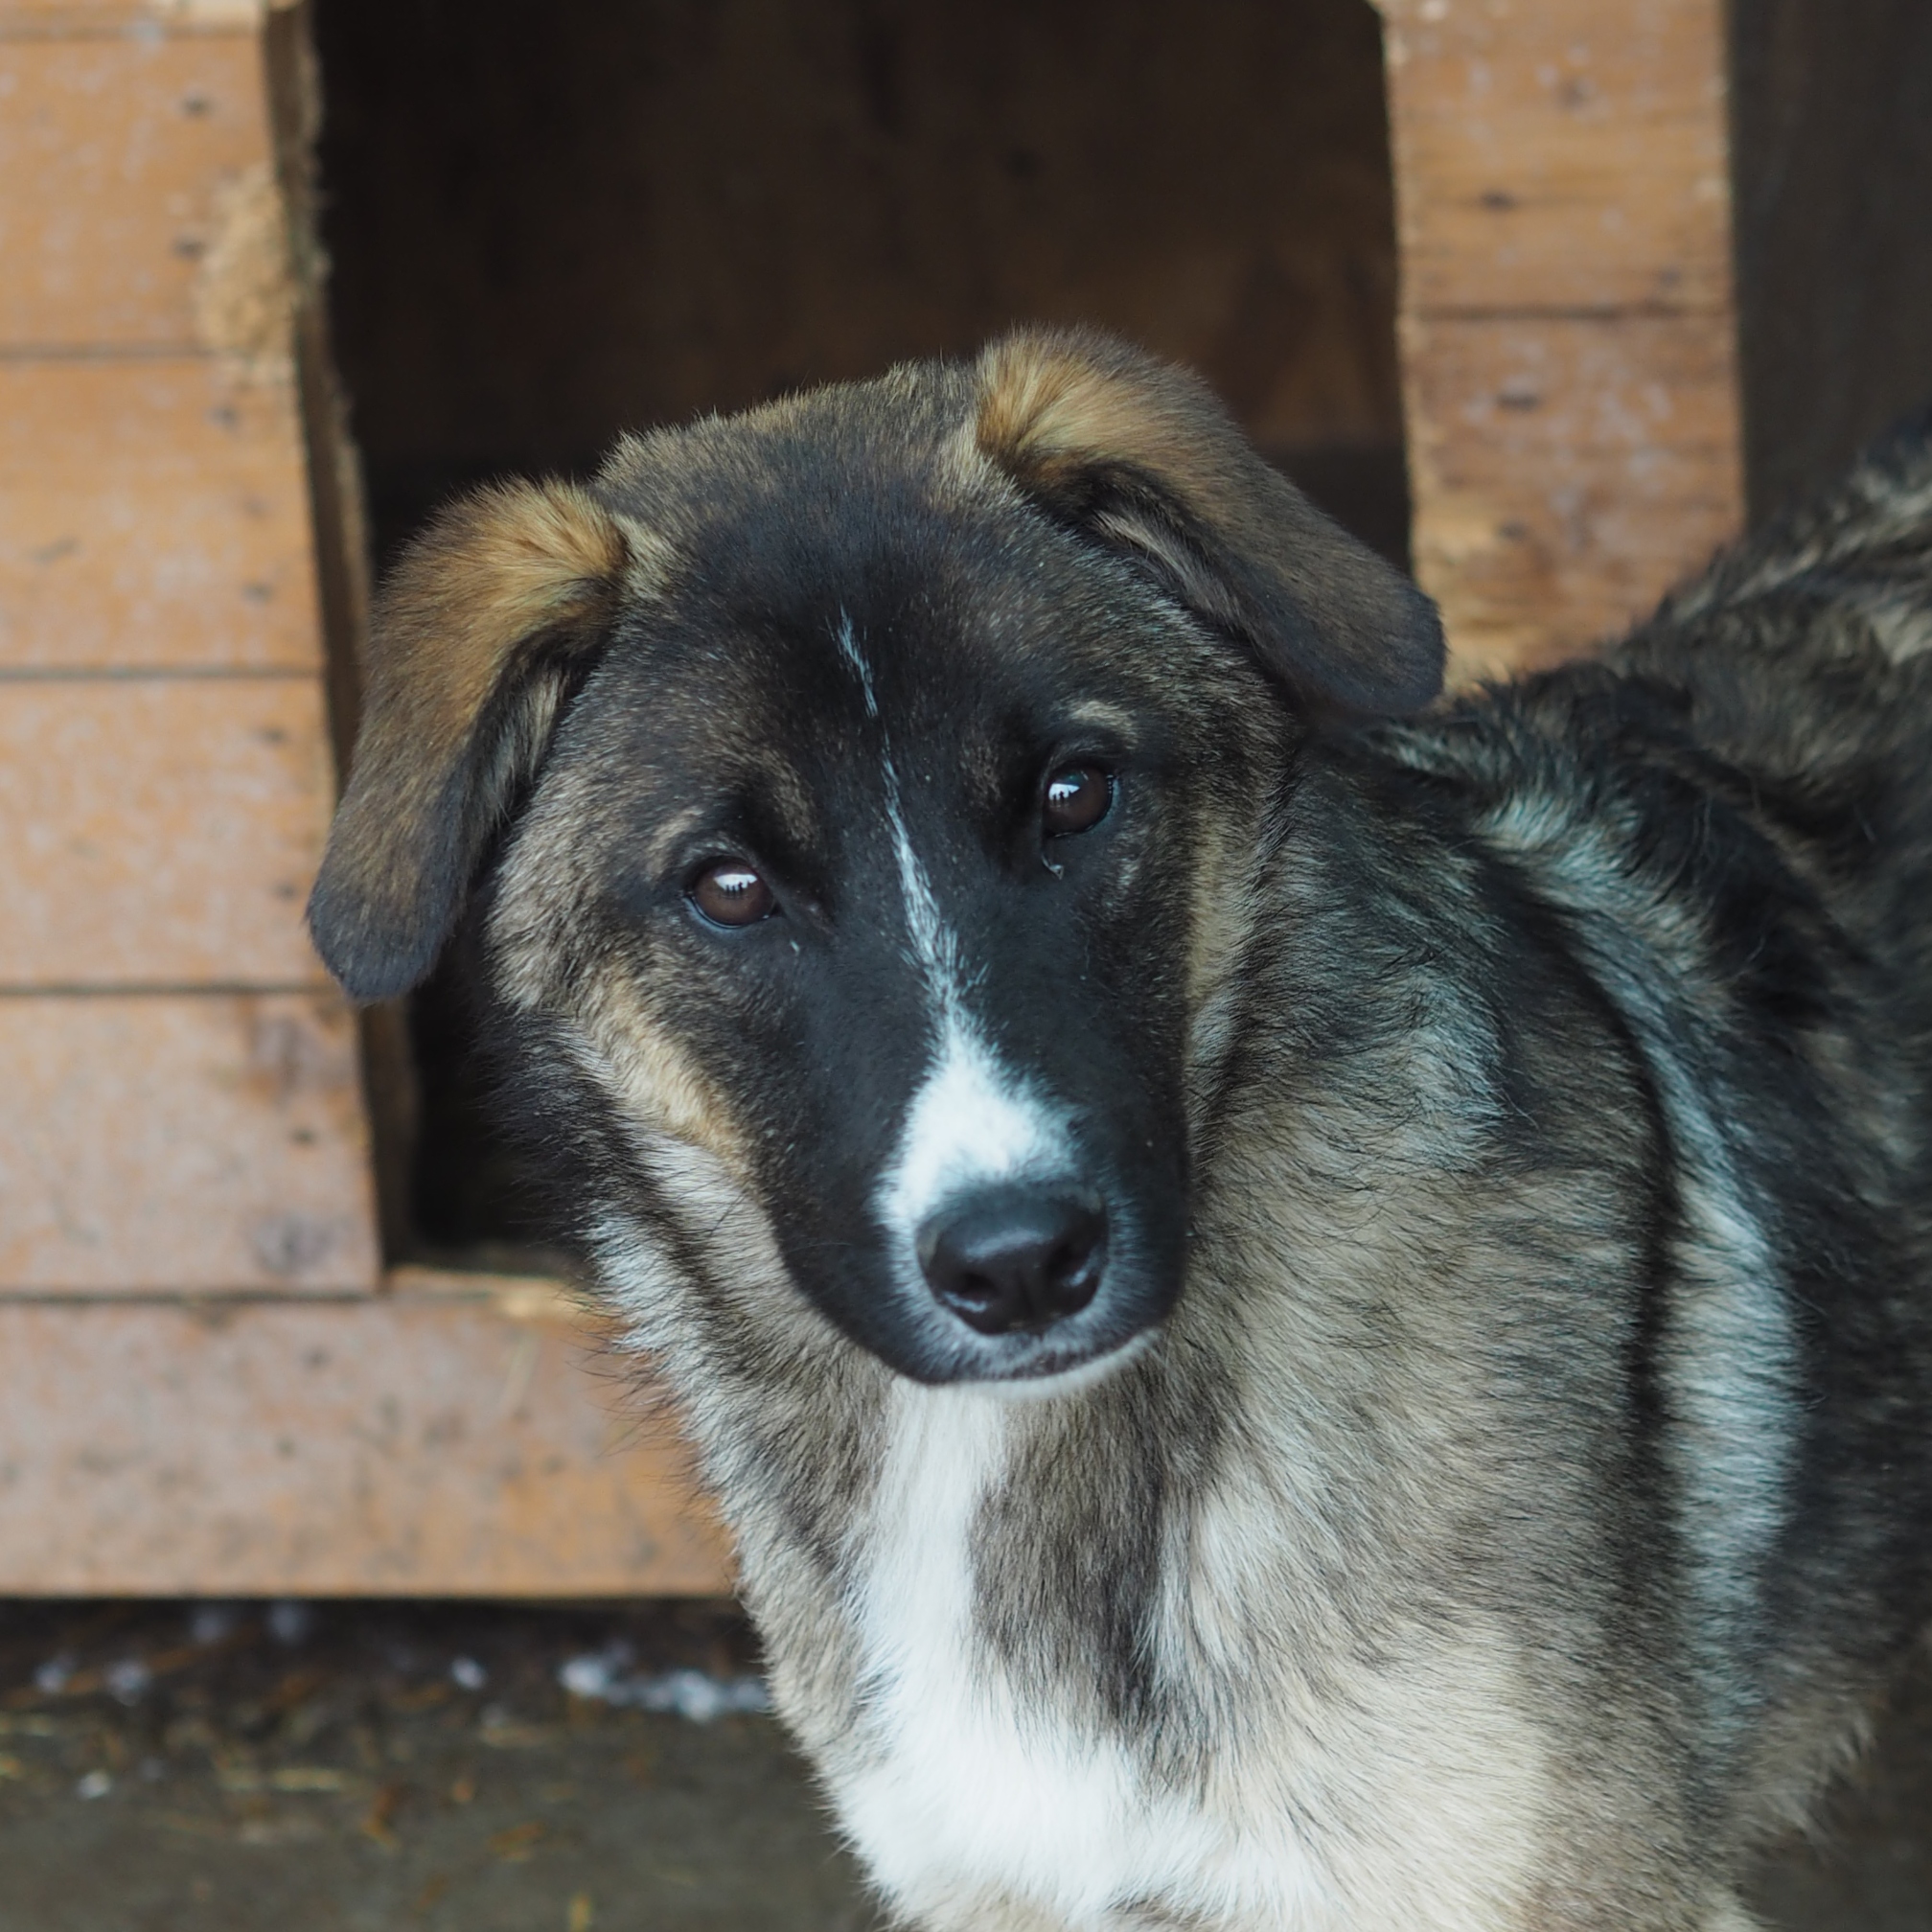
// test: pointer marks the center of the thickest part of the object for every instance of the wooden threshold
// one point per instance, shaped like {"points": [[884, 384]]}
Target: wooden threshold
{"points": [[457, 1435]]}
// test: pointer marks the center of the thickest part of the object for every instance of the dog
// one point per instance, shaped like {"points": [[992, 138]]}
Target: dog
{"points": [[1309, 1304]]}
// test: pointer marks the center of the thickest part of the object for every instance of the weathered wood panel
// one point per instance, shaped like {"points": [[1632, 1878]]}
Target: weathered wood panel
{"points": [[1560, 155], [1569, 338], [1563, 468], [135, 199], [153, 515], [397, 1446], [160, 831], [69, 19], [193, 1143]]}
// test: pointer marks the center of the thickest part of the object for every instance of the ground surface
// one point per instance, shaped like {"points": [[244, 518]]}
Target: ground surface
{"points": [[385, 1769], [372, 1768]]}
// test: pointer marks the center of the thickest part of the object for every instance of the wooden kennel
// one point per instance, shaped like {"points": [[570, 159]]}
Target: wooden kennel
{"points": [[1601, 277]]}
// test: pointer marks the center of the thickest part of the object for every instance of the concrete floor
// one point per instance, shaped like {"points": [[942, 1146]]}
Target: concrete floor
{"points": [[391, 1768]]}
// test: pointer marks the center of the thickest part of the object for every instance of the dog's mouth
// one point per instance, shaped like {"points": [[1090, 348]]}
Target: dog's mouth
{"points": [[1060, 1361], [1065, 1370]]}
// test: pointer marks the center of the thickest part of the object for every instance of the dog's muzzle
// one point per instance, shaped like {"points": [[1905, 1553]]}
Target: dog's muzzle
{"points": [[1015, 1259]]}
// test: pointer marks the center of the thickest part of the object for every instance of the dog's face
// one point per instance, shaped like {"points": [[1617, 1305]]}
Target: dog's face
{"points": [[892, 841], [888, 771]]}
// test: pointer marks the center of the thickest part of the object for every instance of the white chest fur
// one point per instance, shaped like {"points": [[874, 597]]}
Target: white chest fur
{"points": [[972, 1795]]}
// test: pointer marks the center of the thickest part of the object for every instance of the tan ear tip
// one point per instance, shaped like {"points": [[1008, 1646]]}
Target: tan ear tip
{"points": [[1028, 376], [562, 520], [515, 541], [1053, 402]]}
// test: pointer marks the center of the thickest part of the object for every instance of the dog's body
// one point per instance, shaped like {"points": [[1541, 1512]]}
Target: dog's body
{"points": [[1465, 1462]]}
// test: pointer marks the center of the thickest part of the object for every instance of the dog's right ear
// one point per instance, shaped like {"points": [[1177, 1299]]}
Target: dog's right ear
{"points": [[476, 637], [1139, 456]]}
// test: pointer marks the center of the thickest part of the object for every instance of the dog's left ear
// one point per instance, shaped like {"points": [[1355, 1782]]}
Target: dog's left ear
{"points": [[492, 612], [1143, 456]]}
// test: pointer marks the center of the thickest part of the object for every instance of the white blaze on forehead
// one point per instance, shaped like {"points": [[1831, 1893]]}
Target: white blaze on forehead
{"points": [[972, 1121], [932, 943]]}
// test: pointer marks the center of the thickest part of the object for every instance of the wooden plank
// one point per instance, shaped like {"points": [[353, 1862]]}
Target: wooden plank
{"points": [[1569, 339], [1566, 473], [188, 1143], [136, 204], [153, 513], [1559, 154], [160, 831], [398, 1446], [71, 20]]}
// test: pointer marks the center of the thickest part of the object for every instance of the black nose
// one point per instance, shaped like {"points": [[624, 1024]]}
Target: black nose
{"points": [[1014, 1257]]}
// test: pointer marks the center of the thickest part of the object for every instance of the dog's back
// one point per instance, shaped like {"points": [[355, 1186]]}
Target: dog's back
{"points": [[1804, 658], [1732, 811], [1804, 662]]}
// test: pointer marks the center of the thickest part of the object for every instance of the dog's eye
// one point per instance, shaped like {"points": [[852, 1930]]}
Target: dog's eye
{"points": [[1076, 799], [730, 893]]}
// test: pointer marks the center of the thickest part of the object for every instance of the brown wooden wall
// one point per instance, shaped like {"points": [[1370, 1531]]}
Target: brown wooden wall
{"points": [[448, 1437], [184, 1112]]}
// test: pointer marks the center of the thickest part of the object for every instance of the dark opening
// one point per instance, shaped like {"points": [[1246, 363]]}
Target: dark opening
{"points": [[548, 225], [1831, 164]]}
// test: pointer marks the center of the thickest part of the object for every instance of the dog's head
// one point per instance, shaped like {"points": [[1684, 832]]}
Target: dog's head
{"points": [[880, 778]]}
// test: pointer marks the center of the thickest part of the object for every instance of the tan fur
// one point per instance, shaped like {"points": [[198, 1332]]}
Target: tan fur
{"points": [[651, 1076], [1224, 913], [1049, 410], [625, 1044], [500, 572], [514, 562]]}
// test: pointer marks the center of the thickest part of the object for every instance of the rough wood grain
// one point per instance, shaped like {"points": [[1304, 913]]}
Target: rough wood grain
{"points": [[400, 1446], [192, 1143], [1556, 154], [1569, 339], [160, 831], [74, 19], [1566, 473], [153, 513], [132, 172]]}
